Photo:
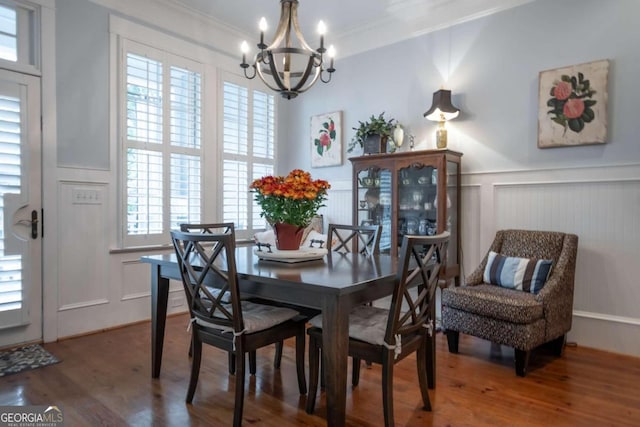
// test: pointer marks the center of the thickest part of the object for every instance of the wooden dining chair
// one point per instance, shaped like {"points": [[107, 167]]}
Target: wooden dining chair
{"points": [[386, 336], [349, 238], [229, 228], [207, 261]]}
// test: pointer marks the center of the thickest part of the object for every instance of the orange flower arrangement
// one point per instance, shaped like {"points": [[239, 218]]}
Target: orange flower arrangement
{"points": [[292, 199]]}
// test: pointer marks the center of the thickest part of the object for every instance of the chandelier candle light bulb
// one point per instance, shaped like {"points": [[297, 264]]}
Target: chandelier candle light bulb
{"points": [[262, 26], [322, 29], [244, 48], [332, 54]]}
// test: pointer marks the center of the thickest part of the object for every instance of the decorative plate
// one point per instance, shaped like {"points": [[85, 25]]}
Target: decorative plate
{"points": [[301, 255]]}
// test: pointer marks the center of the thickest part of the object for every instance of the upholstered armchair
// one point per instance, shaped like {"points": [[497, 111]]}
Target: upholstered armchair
{"points": [[522, 319]]}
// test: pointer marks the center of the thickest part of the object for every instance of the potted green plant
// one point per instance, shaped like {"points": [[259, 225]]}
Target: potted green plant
{"points": [[372, 134]]}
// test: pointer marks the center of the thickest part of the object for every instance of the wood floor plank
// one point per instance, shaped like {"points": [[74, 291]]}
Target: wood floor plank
{"points": [[105, 379]]}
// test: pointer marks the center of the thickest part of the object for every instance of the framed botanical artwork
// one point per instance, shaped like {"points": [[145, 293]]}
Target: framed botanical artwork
{"points": [[326, 139], [572, 105]]}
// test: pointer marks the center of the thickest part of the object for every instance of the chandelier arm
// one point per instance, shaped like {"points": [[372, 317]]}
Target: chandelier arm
{"points": [[274, 73], [266, 82], [261, 57], [313, 82], [305, 75], [322, 79], [296, 27], [285, 14], [254, 72]]}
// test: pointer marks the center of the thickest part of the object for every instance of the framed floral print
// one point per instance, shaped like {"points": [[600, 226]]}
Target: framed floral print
{"points": [[572, 105], [326, 139]]}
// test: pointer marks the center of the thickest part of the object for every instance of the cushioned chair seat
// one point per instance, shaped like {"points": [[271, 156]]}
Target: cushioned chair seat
{"points": [[495, 302], [256, 317], [366, 323]]}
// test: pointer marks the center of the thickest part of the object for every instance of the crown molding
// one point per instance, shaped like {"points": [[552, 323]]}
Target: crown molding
{"points": [[406, 20], [402, 20]]}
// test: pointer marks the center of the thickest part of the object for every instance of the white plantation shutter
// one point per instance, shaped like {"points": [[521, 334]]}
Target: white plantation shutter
{"points": [[144, 99], [185, 189], [144, 192], [10, 183], [248, 134], [163, 144]]}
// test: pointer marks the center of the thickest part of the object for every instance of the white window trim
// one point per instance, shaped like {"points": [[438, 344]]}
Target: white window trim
{"points": [[29, 45], [124, 32]]}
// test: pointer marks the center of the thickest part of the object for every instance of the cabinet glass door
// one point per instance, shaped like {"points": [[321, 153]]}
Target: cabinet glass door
{"points": [[452, 212], [374, 202], [417, 190]]}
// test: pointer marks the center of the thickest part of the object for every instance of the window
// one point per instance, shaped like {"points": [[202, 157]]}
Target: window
{"points": [[163, 151], [17, 36], [248, 136]]}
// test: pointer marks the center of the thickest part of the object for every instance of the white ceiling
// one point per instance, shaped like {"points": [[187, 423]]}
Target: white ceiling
{"points": [[352, 25]]}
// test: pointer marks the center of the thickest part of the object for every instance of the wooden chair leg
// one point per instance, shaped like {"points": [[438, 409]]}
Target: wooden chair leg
{"points": [[277, 359], [196, 348], [422, 360], [453, 337], [252, 362], [387, 389], [355, 372], [232, 363], [522, 362], [321, 370], [430, 354], [314, 367], [300, 343], [239, 402]]}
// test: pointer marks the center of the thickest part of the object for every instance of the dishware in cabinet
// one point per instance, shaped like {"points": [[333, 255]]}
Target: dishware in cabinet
{"points": [[416, 192]]}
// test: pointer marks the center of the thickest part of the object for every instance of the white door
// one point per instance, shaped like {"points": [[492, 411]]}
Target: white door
{"points": [[20, 209]]}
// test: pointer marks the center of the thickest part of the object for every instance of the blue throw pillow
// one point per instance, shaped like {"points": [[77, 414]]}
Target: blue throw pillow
{"points": [[522, 274]]}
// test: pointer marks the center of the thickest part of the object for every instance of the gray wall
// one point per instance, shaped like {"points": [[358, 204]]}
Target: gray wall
{"points": [[492, 65], [82, 68]]}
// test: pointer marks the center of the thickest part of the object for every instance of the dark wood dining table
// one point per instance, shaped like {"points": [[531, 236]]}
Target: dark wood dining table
{"points": [[333, 284]]}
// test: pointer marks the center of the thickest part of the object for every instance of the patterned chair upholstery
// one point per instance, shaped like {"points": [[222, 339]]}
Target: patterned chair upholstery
{"points": [[518, 319]]}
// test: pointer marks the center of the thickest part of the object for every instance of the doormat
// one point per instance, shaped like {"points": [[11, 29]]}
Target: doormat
{"points": [[25, 358]]}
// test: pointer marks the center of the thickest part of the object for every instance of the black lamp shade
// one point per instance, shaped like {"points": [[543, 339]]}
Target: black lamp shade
{"points": [[442, 109]]}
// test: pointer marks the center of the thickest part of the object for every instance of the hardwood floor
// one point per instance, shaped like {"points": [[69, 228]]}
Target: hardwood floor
{"points": [[105, 379]]}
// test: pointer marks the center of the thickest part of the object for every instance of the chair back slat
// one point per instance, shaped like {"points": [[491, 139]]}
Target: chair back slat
{"points": [[207, 261], [421, 258], [348, 238], [209, 228]]}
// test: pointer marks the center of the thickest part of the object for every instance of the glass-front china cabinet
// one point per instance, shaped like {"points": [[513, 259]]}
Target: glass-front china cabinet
{"points": [[414, 192]]}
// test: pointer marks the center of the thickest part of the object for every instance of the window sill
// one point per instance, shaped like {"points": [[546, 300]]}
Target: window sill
{"points": [[163, 248]]}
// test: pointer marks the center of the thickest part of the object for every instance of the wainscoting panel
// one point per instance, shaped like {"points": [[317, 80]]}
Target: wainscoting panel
{"points": [[338, 205], [470, 229], [135, 280], [83, 231], [599, 204], [607, 222]]}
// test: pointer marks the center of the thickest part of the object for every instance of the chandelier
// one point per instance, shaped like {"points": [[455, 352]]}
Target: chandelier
{"points": [[289, 65]]}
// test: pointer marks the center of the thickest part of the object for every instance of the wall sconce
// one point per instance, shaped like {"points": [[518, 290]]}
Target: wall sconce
{"points": [[441, 110]]}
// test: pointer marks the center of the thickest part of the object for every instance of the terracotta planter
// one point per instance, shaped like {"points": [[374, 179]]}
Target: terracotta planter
{"points": [[288, 236]]}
